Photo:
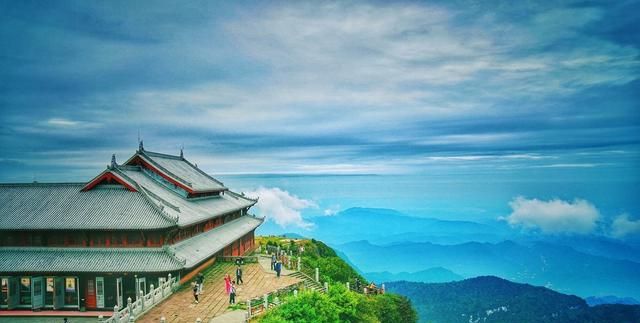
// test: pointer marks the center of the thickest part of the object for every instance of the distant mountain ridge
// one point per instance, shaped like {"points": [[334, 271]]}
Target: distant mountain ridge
{"points": [[384, 240], [562, 268], [610, 299], [381, 224], [599, 246], [431, 275], [493, 299]]}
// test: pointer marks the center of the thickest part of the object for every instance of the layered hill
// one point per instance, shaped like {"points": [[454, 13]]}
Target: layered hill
{"points": [[492, 299], [558, 267]]}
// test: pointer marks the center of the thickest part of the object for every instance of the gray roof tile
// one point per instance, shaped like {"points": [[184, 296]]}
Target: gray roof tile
{"points": [[183, 171], [27, 259], [188, 211], [64, 206]]}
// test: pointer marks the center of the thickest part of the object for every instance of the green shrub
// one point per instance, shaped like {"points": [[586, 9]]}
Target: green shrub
{"points": [[307, 307], [341, 305]]}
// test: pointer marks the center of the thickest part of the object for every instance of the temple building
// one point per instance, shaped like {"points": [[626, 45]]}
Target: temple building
{"points": [[73, 245]]}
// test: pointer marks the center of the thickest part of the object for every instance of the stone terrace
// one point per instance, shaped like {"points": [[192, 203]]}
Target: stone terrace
{"points": [[181, 307]]}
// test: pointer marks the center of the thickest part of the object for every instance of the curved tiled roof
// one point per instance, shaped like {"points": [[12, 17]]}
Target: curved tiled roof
{"points": [[183, 171], [138, 202], [64, 206], [187, 211], [35, 259]]}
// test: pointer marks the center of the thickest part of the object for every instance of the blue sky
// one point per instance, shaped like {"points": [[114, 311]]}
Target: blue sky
{"points": [[548, 88]]}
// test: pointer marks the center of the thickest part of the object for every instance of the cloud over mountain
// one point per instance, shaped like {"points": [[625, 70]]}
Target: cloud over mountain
{"points": [[281, 207], [554, 216], [622, 226]]}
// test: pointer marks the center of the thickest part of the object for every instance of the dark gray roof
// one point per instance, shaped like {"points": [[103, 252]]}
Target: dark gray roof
{"points": [[183, 171], [202, 246], [63, 206], [186, 211], [152, 205], [28, 259]]}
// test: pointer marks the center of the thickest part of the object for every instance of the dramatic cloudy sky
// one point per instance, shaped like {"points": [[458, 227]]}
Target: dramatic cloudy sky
{"points": [[321, 87]]}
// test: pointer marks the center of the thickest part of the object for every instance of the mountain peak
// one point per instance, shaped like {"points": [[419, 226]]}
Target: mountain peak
{"points": [[370, 211]]}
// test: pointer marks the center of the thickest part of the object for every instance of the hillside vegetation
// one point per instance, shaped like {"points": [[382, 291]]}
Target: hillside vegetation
{"points": [[339, 304], [333, 269]]}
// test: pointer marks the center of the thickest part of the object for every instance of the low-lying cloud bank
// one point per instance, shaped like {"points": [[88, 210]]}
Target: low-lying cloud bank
{"points": [[281, 206], [557, 216], [554, 216]]}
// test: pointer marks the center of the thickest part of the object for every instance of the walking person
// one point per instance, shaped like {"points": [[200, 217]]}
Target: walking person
{"points": [[195, 292], [273, 261], [200, 282], [227, 284], [232, 293], [278, 267], [239, 275]]}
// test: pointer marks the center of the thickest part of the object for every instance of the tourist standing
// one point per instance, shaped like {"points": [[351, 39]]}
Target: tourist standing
{"points": [[239, 275], [200, 282], [232, 293], [227, 284], [273, 261], [195, 292]]}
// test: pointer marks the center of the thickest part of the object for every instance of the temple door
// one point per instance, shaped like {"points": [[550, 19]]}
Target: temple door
{"points": [[14, 293], [90, 293], [58, 293], [37, 293]]}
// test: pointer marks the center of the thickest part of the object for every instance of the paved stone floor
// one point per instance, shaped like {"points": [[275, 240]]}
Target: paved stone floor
{"points": [[181, 307], [42, 319]]}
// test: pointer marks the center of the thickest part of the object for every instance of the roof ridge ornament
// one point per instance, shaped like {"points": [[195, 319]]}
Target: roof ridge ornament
{"points": [[114, 164], [140, 146], [181, 152]]}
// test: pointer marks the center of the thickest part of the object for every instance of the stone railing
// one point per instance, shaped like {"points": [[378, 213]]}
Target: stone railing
{"points": [[245, 259], [144, 303]]}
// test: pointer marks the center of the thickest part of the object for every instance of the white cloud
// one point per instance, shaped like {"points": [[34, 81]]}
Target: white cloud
{"points": [[389, 64], [573, 165], [332, 210], [60, 122], [281, 207], [554, 216], [622, 226]]}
